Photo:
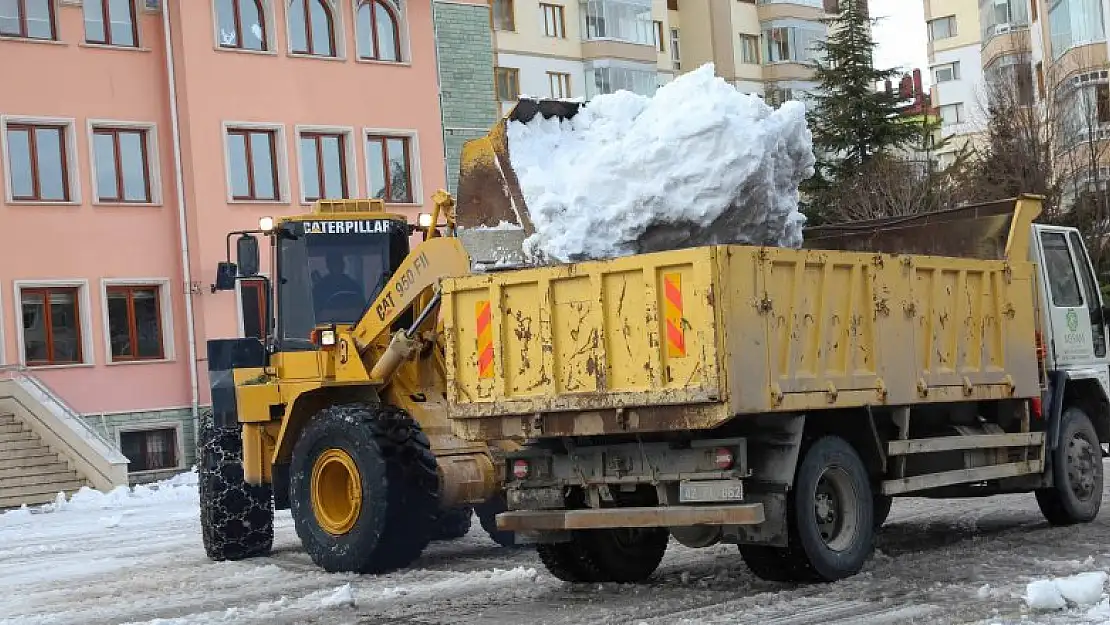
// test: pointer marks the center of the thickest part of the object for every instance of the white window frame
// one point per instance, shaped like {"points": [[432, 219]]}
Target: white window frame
{"points": [[402, 31], [73, 178], [953, 31], [156, 425], [281, 162], [350, 156], [154, 162], [165, 307], [416, 178], [268, 14], [959, 107], [338, 19], [85, 313], [239, 303], [954, 66]]}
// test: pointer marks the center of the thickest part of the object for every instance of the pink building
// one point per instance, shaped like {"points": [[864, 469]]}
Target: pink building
{"points": [[115, 203]]}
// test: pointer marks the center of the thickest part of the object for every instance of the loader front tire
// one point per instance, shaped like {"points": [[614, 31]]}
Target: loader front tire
{"points": [[625, 555], [236, 519], [363, 490]]}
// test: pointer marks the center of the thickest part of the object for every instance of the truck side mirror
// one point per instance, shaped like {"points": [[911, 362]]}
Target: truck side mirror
{"points": [[246, 252], [225, 276]]}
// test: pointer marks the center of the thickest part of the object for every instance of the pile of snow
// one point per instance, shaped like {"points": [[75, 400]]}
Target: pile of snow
{"points": [[699, 163], [1055, 594]]}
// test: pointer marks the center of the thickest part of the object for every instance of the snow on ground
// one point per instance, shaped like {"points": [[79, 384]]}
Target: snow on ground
{"points": [[698, 163], [134, 556]]}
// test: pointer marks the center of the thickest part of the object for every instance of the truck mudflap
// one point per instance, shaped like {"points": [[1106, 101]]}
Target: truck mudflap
{"points": [[612, 518]]}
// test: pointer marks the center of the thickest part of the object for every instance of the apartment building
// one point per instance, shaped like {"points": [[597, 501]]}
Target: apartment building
{"points": [[955, 40], [128, 151], [582, 48]]}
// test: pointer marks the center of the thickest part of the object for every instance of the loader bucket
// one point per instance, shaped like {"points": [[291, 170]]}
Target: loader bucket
{"points": [[488, 191], [988, 231]]}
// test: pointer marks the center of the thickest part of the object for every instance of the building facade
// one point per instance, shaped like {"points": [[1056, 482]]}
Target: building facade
{"points": [[955, 41], [128, 151], [582, 48]]}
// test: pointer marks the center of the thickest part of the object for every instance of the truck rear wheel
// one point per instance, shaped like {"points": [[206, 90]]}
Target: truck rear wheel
{"points": [[453, 523], [487, 515], [236, 519], [363, 490], [829, 516], [1076, 492], [626, 555]]}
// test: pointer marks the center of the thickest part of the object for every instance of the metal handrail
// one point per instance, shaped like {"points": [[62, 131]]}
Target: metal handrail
{"points": [[21, 372]]}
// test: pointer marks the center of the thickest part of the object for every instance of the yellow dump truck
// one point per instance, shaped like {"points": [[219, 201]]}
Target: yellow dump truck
{"points": [[777, 398]]}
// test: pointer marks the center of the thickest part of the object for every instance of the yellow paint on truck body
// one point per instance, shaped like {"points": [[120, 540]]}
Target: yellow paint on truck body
{"points": [[583, 348]]}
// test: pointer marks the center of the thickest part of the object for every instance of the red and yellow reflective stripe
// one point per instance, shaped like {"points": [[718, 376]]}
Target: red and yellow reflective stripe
{"points": [[485, 339], [672, 314]]}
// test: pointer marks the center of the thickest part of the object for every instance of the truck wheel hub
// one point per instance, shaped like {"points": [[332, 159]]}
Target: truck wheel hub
{"points": [[336, 491], [1081, 466], [834, 509]]}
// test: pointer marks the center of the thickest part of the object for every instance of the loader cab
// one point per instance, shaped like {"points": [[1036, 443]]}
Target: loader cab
{"points": [[1074, 323]]}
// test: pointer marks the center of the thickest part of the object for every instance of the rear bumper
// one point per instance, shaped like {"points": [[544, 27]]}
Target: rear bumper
{"points": [[611, 518]]}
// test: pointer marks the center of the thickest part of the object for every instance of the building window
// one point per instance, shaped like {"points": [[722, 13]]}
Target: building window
{"points": [[324, 166], [1033, 10], [508, 83], [242, 24], [253, 307], [610, 79], [312, 27], [1082, 111], [622, 20], [672, 5], [951, 114], [947, 72], [676, 59], [659, 37], [122, 165], [791, 44], [1074, 23], [1012, 74], [554, 22], [252, 164], [749, 49], [111, 23], [51, 326], [135, 323], [149, 450], [942, 28], [998, 17], [390, 163], [30, 19], [559, 83], [379, 31], [504, 15], [38, 162]]}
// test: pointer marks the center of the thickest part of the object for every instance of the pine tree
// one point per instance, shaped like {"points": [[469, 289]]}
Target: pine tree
{"points": [[852, 121]]}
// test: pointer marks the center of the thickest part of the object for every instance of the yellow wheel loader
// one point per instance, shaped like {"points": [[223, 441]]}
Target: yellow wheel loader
{"points": [[340, 413]]}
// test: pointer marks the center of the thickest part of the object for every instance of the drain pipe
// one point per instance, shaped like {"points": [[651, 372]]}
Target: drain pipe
{"points": [[182, 221]]}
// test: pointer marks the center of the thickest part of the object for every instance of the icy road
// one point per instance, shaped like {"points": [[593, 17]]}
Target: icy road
{"points": [[136, 557]]}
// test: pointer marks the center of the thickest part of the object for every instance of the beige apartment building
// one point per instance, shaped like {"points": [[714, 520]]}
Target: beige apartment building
{"points": [[582, 48]]}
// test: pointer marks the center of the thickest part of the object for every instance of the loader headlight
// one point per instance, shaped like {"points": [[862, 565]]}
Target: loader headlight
{"points": [[266, 224], [424, 220], [327, 338]]}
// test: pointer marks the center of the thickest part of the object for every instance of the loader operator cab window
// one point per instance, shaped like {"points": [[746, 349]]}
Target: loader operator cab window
{"points": [[331, 270]]}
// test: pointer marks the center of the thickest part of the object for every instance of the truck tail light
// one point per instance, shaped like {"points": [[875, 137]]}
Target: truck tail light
{"points": [[1041, 352], [1035, 406], [520, 468], [723, 459]]}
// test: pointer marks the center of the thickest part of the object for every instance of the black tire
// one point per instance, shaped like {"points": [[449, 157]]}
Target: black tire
{"points": [[838, 548], [453, 523], [881, 506], [399, 488], [236, 519], [617, 555], [487, 515], [1077, 474]]}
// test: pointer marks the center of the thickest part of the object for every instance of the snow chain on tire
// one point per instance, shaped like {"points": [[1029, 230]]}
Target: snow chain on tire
{"points": [[236, 519], [400, 488]]}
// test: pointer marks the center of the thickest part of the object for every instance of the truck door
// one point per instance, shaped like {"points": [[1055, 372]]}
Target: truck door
{"points": [[1076, 328]]}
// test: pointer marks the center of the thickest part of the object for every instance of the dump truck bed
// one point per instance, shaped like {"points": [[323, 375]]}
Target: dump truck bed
{"points": [[688, 339]]}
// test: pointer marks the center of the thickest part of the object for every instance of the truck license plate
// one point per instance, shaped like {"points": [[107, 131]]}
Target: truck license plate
{"points": [[711, 490]]}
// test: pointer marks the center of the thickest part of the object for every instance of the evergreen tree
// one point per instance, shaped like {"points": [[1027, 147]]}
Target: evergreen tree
{"points": [[852, 121]]}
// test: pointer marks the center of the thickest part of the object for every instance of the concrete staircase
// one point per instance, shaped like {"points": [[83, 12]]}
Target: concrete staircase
{"points": [[30, 472], [46, 447]]}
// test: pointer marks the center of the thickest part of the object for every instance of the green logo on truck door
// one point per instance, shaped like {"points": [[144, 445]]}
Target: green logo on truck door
{"points": [[1073, 320]]}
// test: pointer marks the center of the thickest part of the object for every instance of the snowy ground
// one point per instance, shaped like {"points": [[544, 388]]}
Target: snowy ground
{"points": [[137, 558]]}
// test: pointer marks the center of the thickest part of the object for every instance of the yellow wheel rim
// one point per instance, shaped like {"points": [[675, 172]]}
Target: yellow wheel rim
{"points": [[336, 491]]}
